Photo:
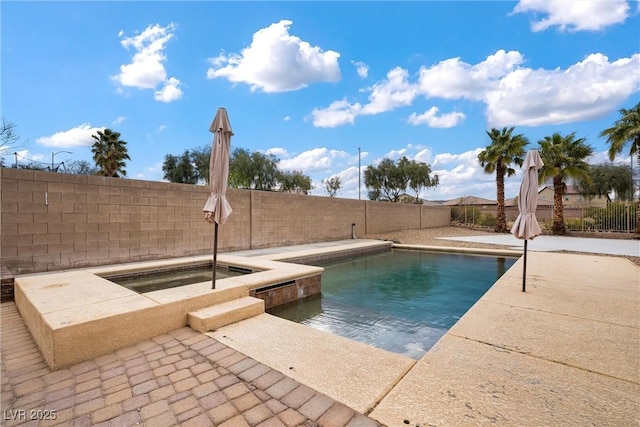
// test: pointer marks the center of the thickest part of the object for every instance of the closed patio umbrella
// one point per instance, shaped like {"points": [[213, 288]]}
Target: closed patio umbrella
{"points": [[217, 207], [526, 226]]}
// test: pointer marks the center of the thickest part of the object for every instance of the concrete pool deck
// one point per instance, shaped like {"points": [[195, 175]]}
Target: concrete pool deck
{"points": [[547, 243], [563, 353]]}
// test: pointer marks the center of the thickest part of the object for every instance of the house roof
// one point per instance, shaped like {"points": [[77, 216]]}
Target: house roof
{"points": [[571, 189], [479, 201], [469, 200], [432, 203]]}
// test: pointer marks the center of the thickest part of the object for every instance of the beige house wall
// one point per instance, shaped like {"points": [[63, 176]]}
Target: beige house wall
{"points": [[52, 221], [574, 199]]}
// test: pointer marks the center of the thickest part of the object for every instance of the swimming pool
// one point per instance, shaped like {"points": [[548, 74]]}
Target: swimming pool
{"points": [[401, 301]]}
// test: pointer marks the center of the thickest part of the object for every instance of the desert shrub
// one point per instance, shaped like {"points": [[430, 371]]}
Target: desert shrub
{"points": [[466, 215], [487, 221]]}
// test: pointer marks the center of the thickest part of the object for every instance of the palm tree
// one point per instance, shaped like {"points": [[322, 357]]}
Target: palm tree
{"points": [[626, 130], [505, 149], [110, 153], [563, 157]]}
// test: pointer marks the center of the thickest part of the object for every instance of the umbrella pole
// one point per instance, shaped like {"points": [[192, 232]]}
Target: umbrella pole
{"points": [[215, 255], [524, 269]]}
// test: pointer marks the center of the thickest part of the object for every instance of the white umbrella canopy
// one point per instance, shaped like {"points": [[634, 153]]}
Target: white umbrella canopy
{"points": [[526, 225], [217, 207]]}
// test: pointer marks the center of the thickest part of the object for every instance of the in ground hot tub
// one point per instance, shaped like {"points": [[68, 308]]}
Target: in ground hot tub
{"points": [[79, 315]]}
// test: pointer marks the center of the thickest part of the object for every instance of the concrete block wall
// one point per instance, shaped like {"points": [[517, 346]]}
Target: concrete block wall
{"points": [[434, 216], [280, 219], [52, 221]]}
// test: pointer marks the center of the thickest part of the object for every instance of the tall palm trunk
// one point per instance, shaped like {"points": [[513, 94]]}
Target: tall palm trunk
{"points": [[558, 210], [501, 218], [637, 202]]}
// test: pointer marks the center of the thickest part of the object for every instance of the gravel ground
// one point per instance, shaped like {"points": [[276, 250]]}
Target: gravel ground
{"points": [[429, 237]]}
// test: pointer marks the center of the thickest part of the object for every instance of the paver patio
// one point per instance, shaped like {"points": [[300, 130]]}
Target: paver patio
{"points": [[182, 378]]}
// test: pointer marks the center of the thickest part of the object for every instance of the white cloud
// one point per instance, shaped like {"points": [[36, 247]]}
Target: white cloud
{"points": [[312, 160], [461, 175], [455, 79], [277, 62], [392, 154], [161, 128], [287, 118], [586, 90], [79, 136], [592, 15], [278, 152], [169, 92], [361, 68], [147, 70], [348, 184], [119, 120], [431, 118], [512, 93], [468, 157], [394, 92], [338, 113], [603, 157], [424, 155], [416, 152], [25, 157], [154, 171]]}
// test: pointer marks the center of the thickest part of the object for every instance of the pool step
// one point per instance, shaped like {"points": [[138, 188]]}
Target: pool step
{"points": [[219, 315]]}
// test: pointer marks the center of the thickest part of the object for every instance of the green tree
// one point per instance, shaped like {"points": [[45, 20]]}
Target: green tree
{"points": [[504, 150], [110, 153], [563, 158], [265, 170], [385, 181], [626, 130], [420, 177], [332, 185], [180, 169], [253, 170], [389, 181], [200, 157], [607, 178], [294, 181], [240, 169]]}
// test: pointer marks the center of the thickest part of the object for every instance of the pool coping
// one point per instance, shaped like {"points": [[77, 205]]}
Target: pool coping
{"points": [[458, 250], [103, 316]]}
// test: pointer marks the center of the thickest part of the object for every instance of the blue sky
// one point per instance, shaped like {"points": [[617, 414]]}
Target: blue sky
{"points": [[311, 82]]}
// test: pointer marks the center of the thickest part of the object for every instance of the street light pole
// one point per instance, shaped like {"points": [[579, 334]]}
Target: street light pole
{"points": [[53, 155], [359, 175]]}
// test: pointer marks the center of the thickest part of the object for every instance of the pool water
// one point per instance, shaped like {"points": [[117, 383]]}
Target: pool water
{"points": [[159, 280], [401, 301]]}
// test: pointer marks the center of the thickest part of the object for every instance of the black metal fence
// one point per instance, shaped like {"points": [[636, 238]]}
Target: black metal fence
{"points": [[619, 217]]}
